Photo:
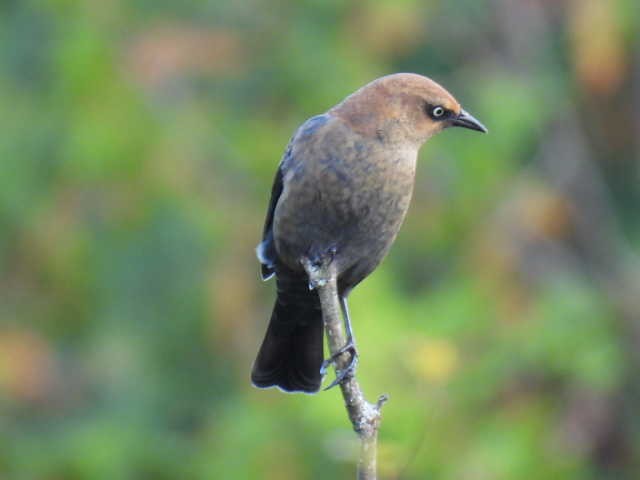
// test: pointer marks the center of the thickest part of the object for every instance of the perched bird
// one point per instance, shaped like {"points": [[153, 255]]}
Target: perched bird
{"points": [[342, 189]]}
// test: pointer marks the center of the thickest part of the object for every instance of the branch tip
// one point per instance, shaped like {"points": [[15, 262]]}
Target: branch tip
{"points": [[382, 399]]}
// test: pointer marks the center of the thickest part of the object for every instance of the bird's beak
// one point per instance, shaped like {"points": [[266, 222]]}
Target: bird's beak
{"points": [[466, 120]]}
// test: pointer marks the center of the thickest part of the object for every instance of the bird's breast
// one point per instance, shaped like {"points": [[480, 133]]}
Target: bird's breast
{"points": [[379, 187]]}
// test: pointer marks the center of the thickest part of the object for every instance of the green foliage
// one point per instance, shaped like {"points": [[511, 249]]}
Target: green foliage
{"points": [[138, 142]]}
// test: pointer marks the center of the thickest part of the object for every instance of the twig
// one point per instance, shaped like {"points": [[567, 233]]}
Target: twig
{"points": [[365, 417]]}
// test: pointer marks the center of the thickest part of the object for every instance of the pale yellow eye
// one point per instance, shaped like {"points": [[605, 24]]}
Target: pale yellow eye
{"points": [[437, 112]]}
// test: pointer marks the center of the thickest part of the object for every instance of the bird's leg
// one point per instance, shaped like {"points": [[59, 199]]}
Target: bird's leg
{"points": [[350, 347]]}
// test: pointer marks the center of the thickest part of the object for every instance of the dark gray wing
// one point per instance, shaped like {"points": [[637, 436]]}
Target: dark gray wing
{"points": [[266, 250]]}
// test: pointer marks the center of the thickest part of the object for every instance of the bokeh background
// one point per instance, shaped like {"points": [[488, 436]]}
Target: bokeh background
{"points": [[138, 141]]}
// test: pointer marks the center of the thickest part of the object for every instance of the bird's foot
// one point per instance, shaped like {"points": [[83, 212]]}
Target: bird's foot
{"points": [[346, 372], [318, 268]]}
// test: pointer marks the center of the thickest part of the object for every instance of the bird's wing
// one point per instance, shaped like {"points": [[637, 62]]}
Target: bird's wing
{"points": [[266, 250]]}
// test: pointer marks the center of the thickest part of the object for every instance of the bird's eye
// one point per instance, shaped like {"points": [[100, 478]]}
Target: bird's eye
{"points": [[437, 112]]}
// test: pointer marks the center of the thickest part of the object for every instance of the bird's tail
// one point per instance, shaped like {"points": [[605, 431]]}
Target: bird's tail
{"points": [[291, 353]]}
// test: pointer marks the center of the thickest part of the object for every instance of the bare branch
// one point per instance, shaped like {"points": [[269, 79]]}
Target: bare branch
{"points": [[365, 417]]}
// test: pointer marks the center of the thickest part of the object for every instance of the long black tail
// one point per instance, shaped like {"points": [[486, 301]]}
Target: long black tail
{"points": [[291, 353]]}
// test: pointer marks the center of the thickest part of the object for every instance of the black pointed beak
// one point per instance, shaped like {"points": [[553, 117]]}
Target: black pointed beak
{"points": [[466, 120]]}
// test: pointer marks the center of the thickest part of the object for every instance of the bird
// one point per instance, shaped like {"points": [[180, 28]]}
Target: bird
{"points": [[342, 189]]}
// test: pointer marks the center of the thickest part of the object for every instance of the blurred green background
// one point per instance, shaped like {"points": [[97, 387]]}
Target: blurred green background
{"points": [[138, 141]]}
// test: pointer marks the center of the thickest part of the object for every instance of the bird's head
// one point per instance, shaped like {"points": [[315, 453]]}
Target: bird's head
{"points": [[405, 108]]}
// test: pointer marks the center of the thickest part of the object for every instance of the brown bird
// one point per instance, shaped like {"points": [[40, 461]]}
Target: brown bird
{"points": [[342, 189]]}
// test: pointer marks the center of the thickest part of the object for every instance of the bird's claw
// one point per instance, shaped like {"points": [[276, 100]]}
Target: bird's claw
{"points": [[341, 374]]}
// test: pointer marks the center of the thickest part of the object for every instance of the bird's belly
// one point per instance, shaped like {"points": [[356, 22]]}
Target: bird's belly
{"points": [[372, 235]]}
